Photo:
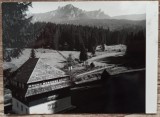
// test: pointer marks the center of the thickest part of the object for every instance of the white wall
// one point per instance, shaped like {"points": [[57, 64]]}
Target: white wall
{"points": [[18, 109], [43, 108]]}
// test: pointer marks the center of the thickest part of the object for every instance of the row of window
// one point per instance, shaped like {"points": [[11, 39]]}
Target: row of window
{"points": [[49, 82], [21, 85], [53, 87]]}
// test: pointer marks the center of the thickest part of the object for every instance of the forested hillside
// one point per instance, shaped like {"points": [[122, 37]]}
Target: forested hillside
{"points": [[71, 37], [96, 28]]}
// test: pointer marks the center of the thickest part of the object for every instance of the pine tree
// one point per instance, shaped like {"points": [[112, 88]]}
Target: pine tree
{"points": [[93, 43], [103, 47], [93, 50], [32, 55], [56, 39], [14, 24], [83, 54], [15, 52]]}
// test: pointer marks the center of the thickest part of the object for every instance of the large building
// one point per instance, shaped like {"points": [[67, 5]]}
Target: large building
{"points": [[40, 88]]}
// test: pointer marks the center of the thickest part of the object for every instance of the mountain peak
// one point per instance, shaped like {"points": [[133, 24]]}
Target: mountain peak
{"points": [[69, 12], [69, 6]]}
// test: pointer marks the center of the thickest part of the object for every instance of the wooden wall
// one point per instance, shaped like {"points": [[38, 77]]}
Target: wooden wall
{"points": [[70, 115]]}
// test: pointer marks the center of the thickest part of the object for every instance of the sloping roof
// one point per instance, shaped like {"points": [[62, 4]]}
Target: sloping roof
{"points": [[45, 70], [25, 71], [38, 69]]}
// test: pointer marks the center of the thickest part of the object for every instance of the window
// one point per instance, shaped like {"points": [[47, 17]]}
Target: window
{"points": [[17, 105], [52, 106], [33, 85], [26, 110], [21, 108]]}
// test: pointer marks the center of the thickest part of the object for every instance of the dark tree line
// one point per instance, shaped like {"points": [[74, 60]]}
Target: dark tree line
{"points": [[72, 37], [136, 48]]}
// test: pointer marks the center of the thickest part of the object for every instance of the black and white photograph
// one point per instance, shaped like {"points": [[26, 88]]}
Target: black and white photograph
{"points": [[74, 57]]}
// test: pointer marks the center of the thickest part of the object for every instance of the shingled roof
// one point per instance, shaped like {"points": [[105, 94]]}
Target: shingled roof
{"points": [[35, 70], [25, 71], [45, 70]]}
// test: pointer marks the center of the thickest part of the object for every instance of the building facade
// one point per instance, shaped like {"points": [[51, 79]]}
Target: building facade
{"points": [[40, 88]]}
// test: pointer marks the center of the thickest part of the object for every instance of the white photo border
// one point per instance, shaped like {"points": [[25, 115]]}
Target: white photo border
{"points": [[151, 56]]}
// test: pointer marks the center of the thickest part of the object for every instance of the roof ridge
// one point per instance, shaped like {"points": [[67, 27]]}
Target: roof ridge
{"points": [[33, 71]]}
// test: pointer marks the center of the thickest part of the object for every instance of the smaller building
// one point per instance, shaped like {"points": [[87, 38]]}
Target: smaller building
{"points": [[40, 88]]}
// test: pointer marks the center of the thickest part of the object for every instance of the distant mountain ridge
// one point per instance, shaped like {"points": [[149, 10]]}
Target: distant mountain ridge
{"points": [[112, 24], [68, 12], [72, 15], [131, 17]]}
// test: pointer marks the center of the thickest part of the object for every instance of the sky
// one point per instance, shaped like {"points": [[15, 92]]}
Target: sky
{"points": [[112, 8]]}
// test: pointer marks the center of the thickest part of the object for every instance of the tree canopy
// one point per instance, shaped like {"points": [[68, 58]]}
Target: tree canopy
{"points": [[14, 25]]}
